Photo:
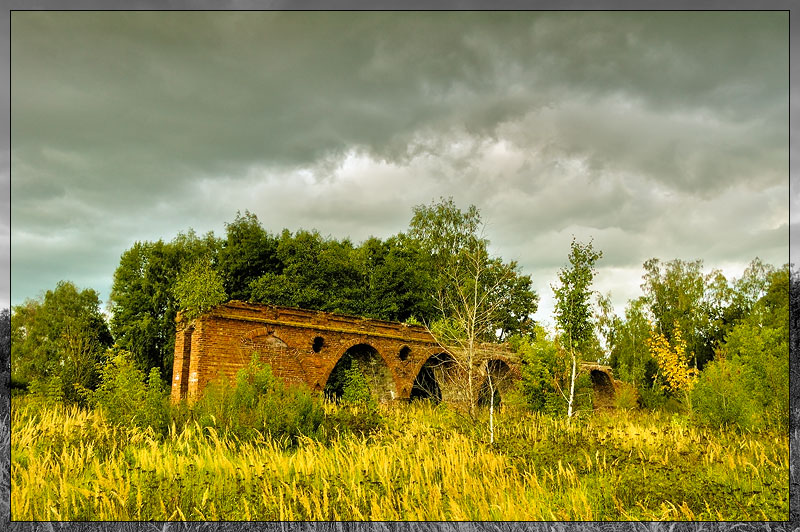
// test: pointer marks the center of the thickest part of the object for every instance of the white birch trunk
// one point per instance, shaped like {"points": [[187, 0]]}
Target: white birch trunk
{"points": [[491, 409], [572, 385]]}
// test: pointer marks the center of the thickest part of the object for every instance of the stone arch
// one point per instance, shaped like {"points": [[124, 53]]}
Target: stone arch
{"points": [[603, 387], [435, 378], [501, 374], [374, 367]]}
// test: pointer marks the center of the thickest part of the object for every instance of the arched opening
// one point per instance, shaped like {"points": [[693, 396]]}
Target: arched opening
{"points": [[498, 377], [603, 388], [404, 352], [318, 344], [373, 368], [433, 376]]}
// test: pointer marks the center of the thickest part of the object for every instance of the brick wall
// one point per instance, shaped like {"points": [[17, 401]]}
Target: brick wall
{"points": [[300, 345]]}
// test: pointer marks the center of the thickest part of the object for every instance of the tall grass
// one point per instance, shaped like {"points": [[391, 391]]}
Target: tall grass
{"points": [[426, 464]]}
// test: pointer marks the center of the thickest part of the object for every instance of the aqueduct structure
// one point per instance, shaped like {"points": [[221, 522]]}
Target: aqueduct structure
{"points": [[303, 346], [400, 361]]}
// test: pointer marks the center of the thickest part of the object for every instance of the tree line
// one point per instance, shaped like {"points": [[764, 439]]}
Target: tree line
{"points": [[438, 272], [693, 343], [397, 278]]}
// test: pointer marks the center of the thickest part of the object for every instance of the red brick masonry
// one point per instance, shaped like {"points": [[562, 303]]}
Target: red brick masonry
{"points": [[300, 345]]}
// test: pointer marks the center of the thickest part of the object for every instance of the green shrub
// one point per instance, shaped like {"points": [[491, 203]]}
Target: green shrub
{"points": [[626, 397], [18, 386], [514, 399], [48, 391], [652, 398], [127, 397], [257, 403], [720, 397], [355, 391], [540, 362], [360, 421], [121, 392], [156, 407]]}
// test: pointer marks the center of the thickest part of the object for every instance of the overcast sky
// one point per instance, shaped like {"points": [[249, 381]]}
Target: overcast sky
{"points": [[661, 134]]}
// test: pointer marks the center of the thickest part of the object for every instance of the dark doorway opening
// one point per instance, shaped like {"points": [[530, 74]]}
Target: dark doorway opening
{"points": [[431, 377], [496, 382], [603, 388], [372, 367]]}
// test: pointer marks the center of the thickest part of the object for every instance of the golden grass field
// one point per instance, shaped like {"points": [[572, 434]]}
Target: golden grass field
{"points": [[426, 464]]}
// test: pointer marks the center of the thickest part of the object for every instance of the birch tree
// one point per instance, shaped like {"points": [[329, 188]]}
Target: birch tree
{"points": [[479, 299], [573, 308]]}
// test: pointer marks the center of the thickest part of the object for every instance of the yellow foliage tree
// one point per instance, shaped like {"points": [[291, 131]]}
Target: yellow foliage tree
{"points": [[673, 360]]}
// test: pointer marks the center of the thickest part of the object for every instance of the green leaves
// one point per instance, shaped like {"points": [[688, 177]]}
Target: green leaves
{"points": [[247, 253], [258, 405], [572, 309], [356, 389], [199, 289], [143, 299], [758, 348], [129, 397], [62, 335], [480, 293]]}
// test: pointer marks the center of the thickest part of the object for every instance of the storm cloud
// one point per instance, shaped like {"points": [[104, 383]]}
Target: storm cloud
{"points": [[660, 134]]}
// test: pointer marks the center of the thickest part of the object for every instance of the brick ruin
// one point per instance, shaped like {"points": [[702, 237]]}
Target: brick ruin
{"points": [[604, 385], [303, 346], [401, 361]]}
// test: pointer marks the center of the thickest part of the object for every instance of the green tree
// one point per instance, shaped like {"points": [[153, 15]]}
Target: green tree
{"points": [[313, 273], [398, 277], [198, 289], [355, 389], [493, 300], [629, 355], [475, 294], [143, 301], [756, 352], [572, 309], [443, 230], [62, 336], [751, 287], [143, 306], [539, 361], [247, 253], [677, 293]]}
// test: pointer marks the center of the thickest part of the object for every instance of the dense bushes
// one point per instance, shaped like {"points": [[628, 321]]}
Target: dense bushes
{"points": [[748, 384], [128, 397], [255, 405], [719, 398], [57, 341], [546, 372], [259, 404]]}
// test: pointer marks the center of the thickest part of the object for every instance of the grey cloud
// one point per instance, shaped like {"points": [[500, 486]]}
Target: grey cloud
{"points": [[137, 125]]}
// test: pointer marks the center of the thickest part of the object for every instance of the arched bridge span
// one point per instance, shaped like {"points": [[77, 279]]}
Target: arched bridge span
{"points": [[304, 346]]}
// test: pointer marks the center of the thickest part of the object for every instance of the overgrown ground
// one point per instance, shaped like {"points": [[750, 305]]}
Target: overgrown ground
{"points": [[427, 464]]}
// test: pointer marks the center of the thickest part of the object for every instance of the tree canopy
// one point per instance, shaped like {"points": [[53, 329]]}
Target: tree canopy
{"points": [[60, 336]]}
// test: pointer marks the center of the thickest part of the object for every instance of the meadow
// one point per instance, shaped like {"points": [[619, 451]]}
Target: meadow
{"points": [[425, 463]]}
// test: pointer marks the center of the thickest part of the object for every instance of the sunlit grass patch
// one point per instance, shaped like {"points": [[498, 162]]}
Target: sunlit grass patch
{"points": [[427, 463]]}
